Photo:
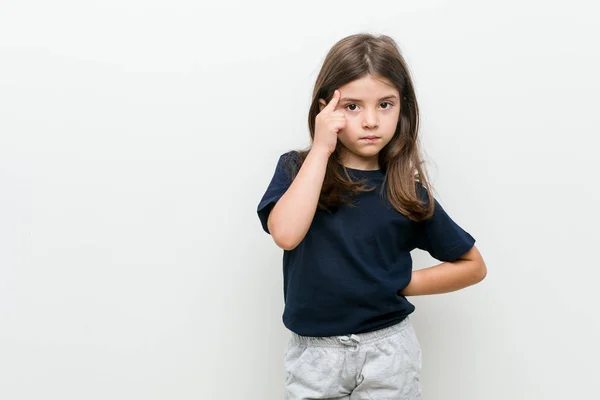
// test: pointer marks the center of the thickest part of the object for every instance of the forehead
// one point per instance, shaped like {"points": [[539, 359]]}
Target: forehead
{"points": [[368, 88]]}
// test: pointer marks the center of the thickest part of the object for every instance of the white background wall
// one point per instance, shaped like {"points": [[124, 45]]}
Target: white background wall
{"points": [[137, 137]]}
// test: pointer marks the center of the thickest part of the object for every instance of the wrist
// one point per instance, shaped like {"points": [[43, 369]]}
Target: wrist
{"points": [[316, 152]]}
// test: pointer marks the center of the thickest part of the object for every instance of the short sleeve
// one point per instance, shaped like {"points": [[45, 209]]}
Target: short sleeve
{"points": [[279, 184], [441, 236]]}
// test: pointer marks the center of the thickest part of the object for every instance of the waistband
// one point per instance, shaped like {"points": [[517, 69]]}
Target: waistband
{"points": [[352, 339]]}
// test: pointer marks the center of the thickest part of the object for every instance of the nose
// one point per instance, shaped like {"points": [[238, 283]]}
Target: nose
{"points": [[370, 119]]}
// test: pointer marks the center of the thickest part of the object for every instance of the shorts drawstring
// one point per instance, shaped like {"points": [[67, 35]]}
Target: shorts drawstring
{"points": [[349, 341]]}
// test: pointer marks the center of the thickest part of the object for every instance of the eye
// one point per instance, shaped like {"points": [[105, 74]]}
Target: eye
{"points": [[390, 105]]}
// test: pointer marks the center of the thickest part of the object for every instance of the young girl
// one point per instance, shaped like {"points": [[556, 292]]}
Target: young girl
{"points": [[347, 212]]}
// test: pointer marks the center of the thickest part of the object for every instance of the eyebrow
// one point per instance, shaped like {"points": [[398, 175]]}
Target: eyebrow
{"points": [[390, 97]]}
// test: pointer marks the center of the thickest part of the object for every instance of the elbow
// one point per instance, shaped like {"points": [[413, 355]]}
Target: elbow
{"points": [[286, 234], [478, 269], [285, 244], [283, 239], [481, 271]]}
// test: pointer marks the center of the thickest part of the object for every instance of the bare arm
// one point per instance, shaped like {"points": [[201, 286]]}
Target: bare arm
{"points": [[448, 276], [292, 215]]}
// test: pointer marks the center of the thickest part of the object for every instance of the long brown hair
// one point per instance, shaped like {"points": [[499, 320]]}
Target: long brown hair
{"points": [[352, 58]]}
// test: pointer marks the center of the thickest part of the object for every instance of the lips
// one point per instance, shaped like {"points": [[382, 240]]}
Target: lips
{"points": [[370, 139]]}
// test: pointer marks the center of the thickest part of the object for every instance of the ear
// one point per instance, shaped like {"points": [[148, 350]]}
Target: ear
{"points": [[322, 104]]}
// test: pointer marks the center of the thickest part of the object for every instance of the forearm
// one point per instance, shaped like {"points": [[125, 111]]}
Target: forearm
{"points": [[445, 277], [293, 214]]}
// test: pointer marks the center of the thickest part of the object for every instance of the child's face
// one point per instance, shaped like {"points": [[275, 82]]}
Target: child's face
{"points": [[369, 113]]}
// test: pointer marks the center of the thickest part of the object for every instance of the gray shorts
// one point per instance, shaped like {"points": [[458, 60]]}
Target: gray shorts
{"points": [[378, 365]]}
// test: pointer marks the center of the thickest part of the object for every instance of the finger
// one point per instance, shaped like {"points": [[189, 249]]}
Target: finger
{"points": [[334, 101]]}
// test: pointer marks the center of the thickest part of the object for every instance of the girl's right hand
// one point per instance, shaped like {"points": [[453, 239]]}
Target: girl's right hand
{"points": [[328, 123]]}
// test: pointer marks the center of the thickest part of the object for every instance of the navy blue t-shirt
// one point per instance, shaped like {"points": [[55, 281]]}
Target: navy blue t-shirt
{"points": [[346, 274]]}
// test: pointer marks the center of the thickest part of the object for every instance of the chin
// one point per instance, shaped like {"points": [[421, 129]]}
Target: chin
{"points": [[366, 153], [368, 150]]}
